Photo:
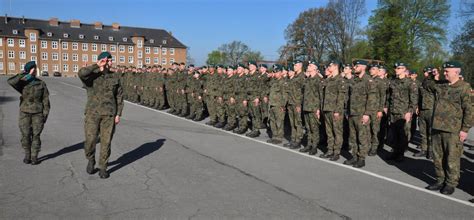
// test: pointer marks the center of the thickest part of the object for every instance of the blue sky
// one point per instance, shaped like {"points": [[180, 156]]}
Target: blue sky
{"points": [[202, 25]]}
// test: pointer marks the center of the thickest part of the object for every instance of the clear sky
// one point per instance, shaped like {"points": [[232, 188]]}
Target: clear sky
{"points": [[202, 25]]}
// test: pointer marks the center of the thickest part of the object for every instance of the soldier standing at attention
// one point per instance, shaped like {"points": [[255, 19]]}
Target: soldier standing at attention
{"points": [[103, 110], [378, 102], [452, 119], [34, 110], [295, 101], [277, 101], [253, 94]]}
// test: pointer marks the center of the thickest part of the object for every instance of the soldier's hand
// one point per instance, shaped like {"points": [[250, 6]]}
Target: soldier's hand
{"points": [[282, 109], [336, 116], [101, 63], [245, 103], [462, 136], [199, 97], [182, 91], [408, 117], [365, 119], [298, 109], [161, 89], [379, 115], [318, 114], [117, 120], [256, 101], [232, 100], [385, 110], [265, 99], [219, 99], [205, 90], [417, 111]]}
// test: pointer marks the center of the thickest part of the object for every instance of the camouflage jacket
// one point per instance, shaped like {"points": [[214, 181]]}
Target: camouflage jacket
{"points": [[104, 92], [34, 95], [295, 90], [335, 90], [402, 96], [362, 95], [377, 96], [240, 91], [278, 93], [427, 94], [453, 110], [312, 96]]}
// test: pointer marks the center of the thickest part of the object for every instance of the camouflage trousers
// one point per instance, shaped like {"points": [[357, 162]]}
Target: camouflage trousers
{"points": [[220, 108], [196, 107], [104, 126], [277, 121], [296, 124], [400, 134], [170, 96], [256, 115], [159, 100], [133, 95], [265, 109], [447, 152], [182, 102], [333, 132], [31, 126], [360, 137], [375, 134], [231, 111], [312, 128], [424, 121], [242, 114], [211, 107]]}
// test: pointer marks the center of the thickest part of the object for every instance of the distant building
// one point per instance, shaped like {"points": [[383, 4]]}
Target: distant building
{"points": [[65, 47]]}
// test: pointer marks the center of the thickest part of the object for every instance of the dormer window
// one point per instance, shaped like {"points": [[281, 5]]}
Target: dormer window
{"points": [[96, 37], [152, 41], [49, 34], [164, 41], [124, 39], [111, 38], [81, 36], [65, 35], [15, 31]]}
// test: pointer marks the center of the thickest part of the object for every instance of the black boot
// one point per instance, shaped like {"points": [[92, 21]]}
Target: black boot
{"points": [[34, 160], [326, 155], [360, 163], [240, 130], [103, 174], [334, 157], [288, 144], [253, 134], [352, 161], [198, 118], [422, 153], [447, 190], [27, 159], [191, 116], [171, 111], [229, 127], [435, 186], [219, 125], [372, 152], [306, 149], [211, 123], [313, 151], [90, 167], [295, 145]]}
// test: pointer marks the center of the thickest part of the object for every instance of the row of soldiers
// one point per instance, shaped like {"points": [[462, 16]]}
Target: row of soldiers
{"points": [[332, 105]]}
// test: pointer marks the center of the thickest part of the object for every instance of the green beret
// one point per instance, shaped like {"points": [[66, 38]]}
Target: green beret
{"points": [[276, 67], [203, 67], [241, 65], [397, 64], [412, 72], [104, 55], [361, 62], [373, 65], [191, 65], [291, 68], [452, 64], [313, 62], [263, 65], [219, 66], [335, 62], [347, 65], [30, 65], [252, 63], [382, 67], [428, 69], [230, 67], [297, 61]]}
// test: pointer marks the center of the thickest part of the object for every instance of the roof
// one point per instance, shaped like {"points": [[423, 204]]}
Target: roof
{"points": [[88, 31]]}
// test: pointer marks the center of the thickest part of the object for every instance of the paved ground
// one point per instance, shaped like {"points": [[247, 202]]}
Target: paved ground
{"points": [[164, 167]]}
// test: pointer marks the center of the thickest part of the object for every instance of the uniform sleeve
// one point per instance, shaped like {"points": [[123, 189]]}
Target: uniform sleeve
{"points": [[46, 104], [467, 118], [413, 97], [370, 97], [341, 97], [16, 83], [88, 74], [382, 89], [120, 102]]}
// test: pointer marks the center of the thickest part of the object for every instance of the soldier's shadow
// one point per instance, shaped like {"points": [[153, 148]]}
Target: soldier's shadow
{"points": [[135, 154], [63, 151]]}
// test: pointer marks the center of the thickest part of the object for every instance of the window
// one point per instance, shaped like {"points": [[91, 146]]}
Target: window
{"points": [[147, 60], [140, 54], [85, 58], [33, 48], [96, 37], [122, 49], [44, 44], [54, 44], [113, 59], [103, 47], [84, 47], [171, 51], [55, 56], [65, 35], [152, 41], [22, 66], [11, 54], [163, 61], [33, 58], [10, 42], [155, 50], [1, 66], [75, 57], [49, 34], [155, 60], [112, 48], [139, 43], [122, 59], [94, 58], [111, 38], [163, 51], [22, 43], [81, 36], [75, 46], [22, 55], [66, 68], [75, 68], [44, 56], [140, 64], [164, 41], [64, 45], [15, 31], [94, 47], [56, 67], [1, 42], [124, 39], [130, 49], [32, 37], [171, 61], [65, 57], [45, 67], [130, 59], [11, 66], [147, 50]]}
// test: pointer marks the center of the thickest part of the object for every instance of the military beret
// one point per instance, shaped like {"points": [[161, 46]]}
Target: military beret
{"points": [[30, 65], [219, 66], [412, 72], [182, 63], [263, 65], [276, 67], [397, 64], [361, 62], [347, 65], [241, 65], [191, 65], [104, 55], [175, 63], [373, 65], [203, 67], [252, 63], [230, 67], [428, 69], [382, 67], [335, 62], [313, 62], [297, 61], [452, 64]]}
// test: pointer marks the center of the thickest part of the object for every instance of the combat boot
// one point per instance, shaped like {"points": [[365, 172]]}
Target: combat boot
{"points": [[447, 190], [253, 134], [352, 161], [27, 159], [171, 111], [313, 151], [334, 157], [288, 144], [435, 186], [326, 155], [276, 141], [372, 153], [422, 153], [360, 163], [191, 116], [90, 167], [295, 145], [198, 118], [34, 160], [103, 174], [211, 123], [219, 125], [306, 149], [240, 130], [229, 127]]}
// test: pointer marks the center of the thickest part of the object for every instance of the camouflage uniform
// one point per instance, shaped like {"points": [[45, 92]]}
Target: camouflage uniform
{"points": [[295, 100], [278, 99], [104, 103], [194, 90], [311, 104], [228, 92], [378, 96], [158, 91], [254, 92], [425, 106], [334, 95], [34, 110], [241, 96]]}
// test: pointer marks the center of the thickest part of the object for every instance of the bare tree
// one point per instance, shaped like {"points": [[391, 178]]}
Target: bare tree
{"points": [[234, 52]]}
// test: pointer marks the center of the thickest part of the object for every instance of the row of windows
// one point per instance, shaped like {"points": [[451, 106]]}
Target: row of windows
{"points": [[85, 47], [44, 67]]}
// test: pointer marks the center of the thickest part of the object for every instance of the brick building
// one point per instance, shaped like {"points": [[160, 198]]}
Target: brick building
{"points": [[65, 47]]}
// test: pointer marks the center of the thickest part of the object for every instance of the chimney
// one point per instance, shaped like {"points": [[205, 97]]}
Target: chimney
{"points": [[75, 23], [6, 19], [53, 22], [115, 26], [98, 25]]}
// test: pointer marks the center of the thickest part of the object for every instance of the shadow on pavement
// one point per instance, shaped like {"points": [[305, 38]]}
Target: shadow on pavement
{"points": [[136, 154], [4, 99], [61, 152]]}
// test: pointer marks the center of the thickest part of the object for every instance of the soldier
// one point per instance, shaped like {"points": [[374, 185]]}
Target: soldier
{"points": [[363, 101], [195, 97], [171, 89], [254, 96], [277, 100], [452, 119], [378, 102], [347, 74], [403, 99], [228, 92], [181, 79], [312, 107], [210, 93], [103, 110], [425, 112], [264, 79], [241, 100], [295, 102], [384, 121], [159, 89], [333, 108], [413, 76], [34, 110]]}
